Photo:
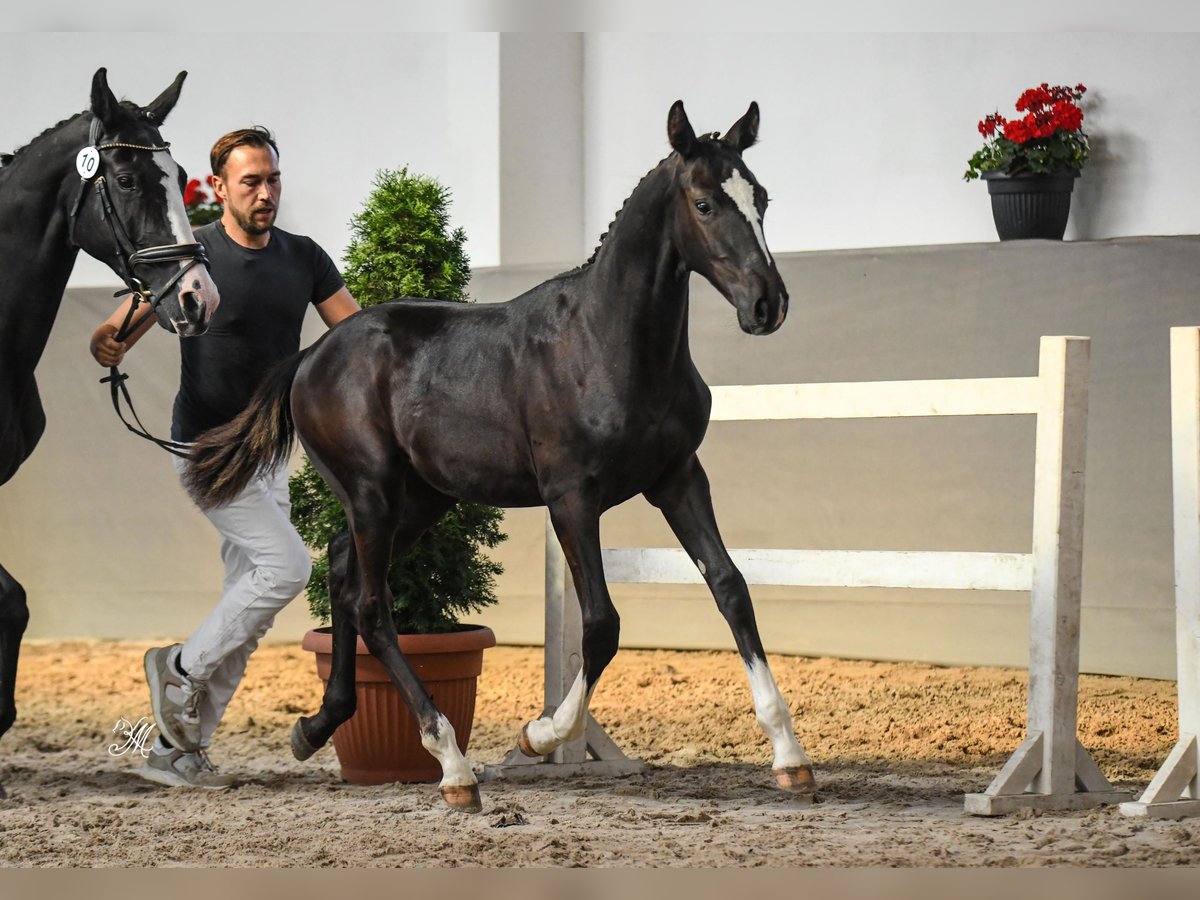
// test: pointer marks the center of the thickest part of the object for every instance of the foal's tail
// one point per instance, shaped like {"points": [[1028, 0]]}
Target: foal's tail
{"points": [[225, 458]]}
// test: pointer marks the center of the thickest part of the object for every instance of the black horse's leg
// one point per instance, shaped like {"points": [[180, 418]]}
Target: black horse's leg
{"points": [[684, 498], [310, 733], [14, 616], [382, 527], [577, 524]]}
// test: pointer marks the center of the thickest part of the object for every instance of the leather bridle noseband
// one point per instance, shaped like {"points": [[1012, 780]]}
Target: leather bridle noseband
{"points": [[91, 173]]}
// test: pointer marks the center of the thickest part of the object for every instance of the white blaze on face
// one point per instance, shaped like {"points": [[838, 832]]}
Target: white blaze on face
{"points": [[773, 715], [197, 280], [176, 211], [741, 192]]}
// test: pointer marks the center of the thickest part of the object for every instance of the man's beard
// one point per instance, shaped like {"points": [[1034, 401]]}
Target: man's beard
{"points": [[251, 225]]}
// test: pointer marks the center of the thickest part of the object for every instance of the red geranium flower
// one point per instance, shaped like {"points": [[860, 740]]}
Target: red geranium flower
{"points": [[1047, 138]]}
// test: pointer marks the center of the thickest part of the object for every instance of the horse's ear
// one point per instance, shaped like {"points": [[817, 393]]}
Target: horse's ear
{"points": [[744, 132], [679, 131], [158, 109], [104, 103]]}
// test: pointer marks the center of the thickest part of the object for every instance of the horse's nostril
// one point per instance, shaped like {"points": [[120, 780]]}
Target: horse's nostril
{"points": [[762, 311], [190, 302]]}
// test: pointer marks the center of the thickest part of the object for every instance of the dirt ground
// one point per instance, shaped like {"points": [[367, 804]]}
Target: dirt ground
{"points": [[895, 747]]}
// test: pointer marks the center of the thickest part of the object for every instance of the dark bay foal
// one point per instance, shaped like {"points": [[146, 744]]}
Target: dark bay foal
{"points": [[576, 395]]}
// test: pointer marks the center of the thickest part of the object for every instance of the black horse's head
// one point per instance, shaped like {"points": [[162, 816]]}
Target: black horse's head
{"points": [[130, 213], [718, 220]]}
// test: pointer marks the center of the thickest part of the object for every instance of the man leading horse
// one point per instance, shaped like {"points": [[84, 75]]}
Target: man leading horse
{"points": [[268, 277]]}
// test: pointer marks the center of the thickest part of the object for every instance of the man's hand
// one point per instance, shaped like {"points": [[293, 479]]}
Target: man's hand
{"points": [[106, 350]]}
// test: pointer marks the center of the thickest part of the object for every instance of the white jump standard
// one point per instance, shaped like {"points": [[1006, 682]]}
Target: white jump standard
{"points": [[1174, 791]]}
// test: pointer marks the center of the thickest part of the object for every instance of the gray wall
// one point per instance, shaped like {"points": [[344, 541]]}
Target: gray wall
{"points": [[108, 546]]}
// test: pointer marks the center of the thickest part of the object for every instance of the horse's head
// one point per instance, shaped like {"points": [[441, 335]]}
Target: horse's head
{"points": [[718, 219], [128, 211]]}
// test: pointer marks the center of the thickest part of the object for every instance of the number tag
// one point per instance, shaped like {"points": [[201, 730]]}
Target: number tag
{"points": [[87, 162]]}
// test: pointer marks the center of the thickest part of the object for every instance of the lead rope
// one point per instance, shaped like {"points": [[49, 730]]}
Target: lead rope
{"points": [[116, 382]]}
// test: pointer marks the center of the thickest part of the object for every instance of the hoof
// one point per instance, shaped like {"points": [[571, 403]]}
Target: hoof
{"points": [[463, 797], [796, 781], [301, 748], [523, 743]]}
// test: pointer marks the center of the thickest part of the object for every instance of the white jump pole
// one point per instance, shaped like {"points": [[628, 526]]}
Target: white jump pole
{"points": [[1175, 790]]}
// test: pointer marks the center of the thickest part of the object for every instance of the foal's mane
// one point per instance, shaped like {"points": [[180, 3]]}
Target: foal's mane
{"points": [[708, 138]]}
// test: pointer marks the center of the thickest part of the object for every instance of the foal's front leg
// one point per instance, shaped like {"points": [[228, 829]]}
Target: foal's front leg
{"points": [[684, 498], [577, 524]]}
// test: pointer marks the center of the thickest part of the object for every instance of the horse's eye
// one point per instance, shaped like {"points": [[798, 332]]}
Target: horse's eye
{"points": [[126, 182], [704, 207]]}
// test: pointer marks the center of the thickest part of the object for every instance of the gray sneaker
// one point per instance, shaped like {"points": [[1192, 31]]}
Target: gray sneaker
{"points": [[176, 768], [174, 698]]}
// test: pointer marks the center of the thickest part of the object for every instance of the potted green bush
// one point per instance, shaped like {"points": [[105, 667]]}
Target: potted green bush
{"points": [[402, 246]]}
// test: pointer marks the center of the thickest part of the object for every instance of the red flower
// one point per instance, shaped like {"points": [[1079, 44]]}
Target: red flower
{"points": [[1018, 131], [192, 194], [208, 179], [1067, 116], [1047, 138]]}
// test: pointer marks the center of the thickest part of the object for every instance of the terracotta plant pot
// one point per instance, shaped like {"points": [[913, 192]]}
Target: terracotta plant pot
{"points": [[381, 742]]}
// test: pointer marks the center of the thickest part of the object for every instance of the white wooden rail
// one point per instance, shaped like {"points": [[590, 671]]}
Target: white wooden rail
{"points": [[1174, 791], [1050, 769]]}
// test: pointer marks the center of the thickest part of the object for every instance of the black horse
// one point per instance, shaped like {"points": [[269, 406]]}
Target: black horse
{"points": [[102, 181], [577, 395]]}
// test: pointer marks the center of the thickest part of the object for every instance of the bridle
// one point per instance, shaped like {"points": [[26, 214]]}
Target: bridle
{"points": [[91, 174]]}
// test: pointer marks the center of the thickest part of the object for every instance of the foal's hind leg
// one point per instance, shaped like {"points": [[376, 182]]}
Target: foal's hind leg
{"points": [[379, 524], [311, 733], [577, 524], [14, 615], [684, 498]]}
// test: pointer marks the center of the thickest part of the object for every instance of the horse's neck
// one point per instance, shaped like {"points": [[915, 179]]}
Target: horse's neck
{"points": [[639, 284], [38, 255]]}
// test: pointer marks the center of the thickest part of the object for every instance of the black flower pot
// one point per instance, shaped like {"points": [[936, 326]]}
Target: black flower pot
{"points": [[1030, 206]]}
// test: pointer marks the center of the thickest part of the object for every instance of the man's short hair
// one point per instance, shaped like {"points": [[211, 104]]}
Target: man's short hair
{"points": [[257, 136]]}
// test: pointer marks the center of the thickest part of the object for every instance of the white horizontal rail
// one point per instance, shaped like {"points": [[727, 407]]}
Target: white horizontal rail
{"points": [[832, 568], [878, 399]]}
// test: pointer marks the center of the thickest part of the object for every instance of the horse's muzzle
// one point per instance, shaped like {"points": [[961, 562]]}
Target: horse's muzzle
{"points": [[767, 313], [194, 315]]}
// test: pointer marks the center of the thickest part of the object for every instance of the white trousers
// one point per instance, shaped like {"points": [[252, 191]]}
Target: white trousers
{"points": [[266, 566]]}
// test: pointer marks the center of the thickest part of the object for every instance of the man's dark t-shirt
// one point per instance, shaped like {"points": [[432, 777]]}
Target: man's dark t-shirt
{"points": [[264, 295]]}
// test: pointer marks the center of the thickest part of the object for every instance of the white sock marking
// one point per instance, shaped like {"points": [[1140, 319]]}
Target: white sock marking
{"points": [[774, 717], [567, 724], [741, 192], [455, 769]]}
